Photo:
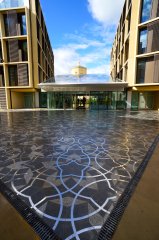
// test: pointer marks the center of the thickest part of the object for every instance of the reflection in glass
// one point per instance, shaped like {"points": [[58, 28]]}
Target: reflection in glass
{"points": [[145, 70], [23, 25], [146, 10], [94, 100], [140, 71], [143, 41]]}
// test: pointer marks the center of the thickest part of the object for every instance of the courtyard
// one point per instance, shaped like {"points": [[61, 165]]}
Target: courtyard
{"points": [[71, 167]]}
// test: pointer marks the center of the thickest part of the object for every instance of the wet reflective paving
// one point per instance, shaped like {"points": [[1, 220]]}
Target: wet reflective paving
{"points": [[72, 166]]}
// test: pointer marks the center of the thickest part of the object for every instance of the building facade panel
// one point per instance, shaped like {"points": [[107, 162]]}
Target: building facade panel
{"points": [[19, 67], [141, 50]]}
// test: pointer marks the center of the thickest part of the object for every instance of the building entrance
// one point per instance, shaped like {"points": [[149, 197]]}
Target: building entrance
{"points": [[87, 100], [82, 100]]}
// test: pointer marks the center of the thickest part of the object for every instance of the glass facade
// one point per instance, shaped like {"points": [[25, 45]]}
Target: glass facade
{"points": [[142, 41], [140, 71], [142, 100], [88, 78], [87, 100], [28, 100], [13, 3], [135, 101], [43, 100]]}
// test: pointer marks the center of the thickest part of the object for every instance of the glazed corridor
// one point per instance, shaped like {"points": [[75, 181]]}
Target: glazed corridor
{"points": [[72, 166]]}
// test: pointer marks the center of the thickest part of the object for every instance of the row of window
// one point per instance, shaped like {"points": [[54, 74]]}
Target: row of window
{"points": [[41, 27], [45, 53]]}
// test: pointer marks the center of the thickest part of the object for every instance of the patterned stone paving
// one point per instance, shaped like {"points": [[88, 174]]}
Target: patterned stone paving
{"points": [[72, 166]]}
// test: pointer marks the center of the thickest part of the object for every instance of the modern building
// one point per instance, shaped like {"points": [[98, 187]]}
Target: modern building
{"points": [[81, 90], [26, 57], [135, 53]]}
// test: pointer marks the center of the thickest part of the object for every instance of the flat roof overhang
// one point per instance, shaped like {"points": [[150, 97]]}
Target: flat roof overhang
{"points": [[83, 87]]}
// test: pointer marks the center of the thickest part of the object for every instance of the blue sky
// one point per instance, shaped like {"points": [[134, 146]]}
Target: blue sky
{"points": [[82, 30]]}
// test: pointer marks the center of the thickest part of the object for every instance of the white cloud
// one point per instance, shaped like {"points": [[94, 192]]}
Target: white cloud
{"points": [[105, 11], [91, 45], [69, 55], [65, 58], [105, 69]]}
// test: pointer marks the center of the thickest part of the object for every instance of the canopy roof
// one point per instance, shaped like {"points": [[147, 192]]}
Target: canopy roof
{"points": [[89, 82], [88, 78]]}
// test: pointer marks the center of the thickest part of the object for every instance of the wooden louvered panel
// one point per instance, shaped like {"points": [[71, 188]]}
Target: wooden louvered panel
{"points": [[149, 70], [155, 9], [3, 103], [12, 22], [23, 75], [156, 69], [13, 50], [153, 36]]}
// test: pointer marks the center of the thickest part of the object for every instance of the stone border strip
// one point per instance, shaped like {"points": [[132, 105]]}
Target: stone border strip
{"points": [[111, 223], [30, 216]]}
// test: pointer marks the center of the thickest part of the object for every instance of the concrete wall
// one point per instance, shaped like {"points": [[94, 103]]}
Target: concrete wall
{"points": [[17, 100]]}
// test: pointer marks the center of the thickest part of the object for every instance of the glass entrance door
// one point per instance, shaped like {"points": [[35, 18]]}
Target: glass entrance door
{"points": [[68, 101], [28, 100], [82, 100]]}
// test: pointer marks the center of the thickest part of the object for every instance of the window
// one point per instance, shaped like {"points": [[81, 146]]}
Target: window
{"points": [[149, 10], [148, 38], [146, 10], [23, 24], [18, 75], [17, 50], [142, 41], [13, 77], [126, 50], [15, 24], [1, 77], [23, 50], [1, 57], [145, 70]]}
